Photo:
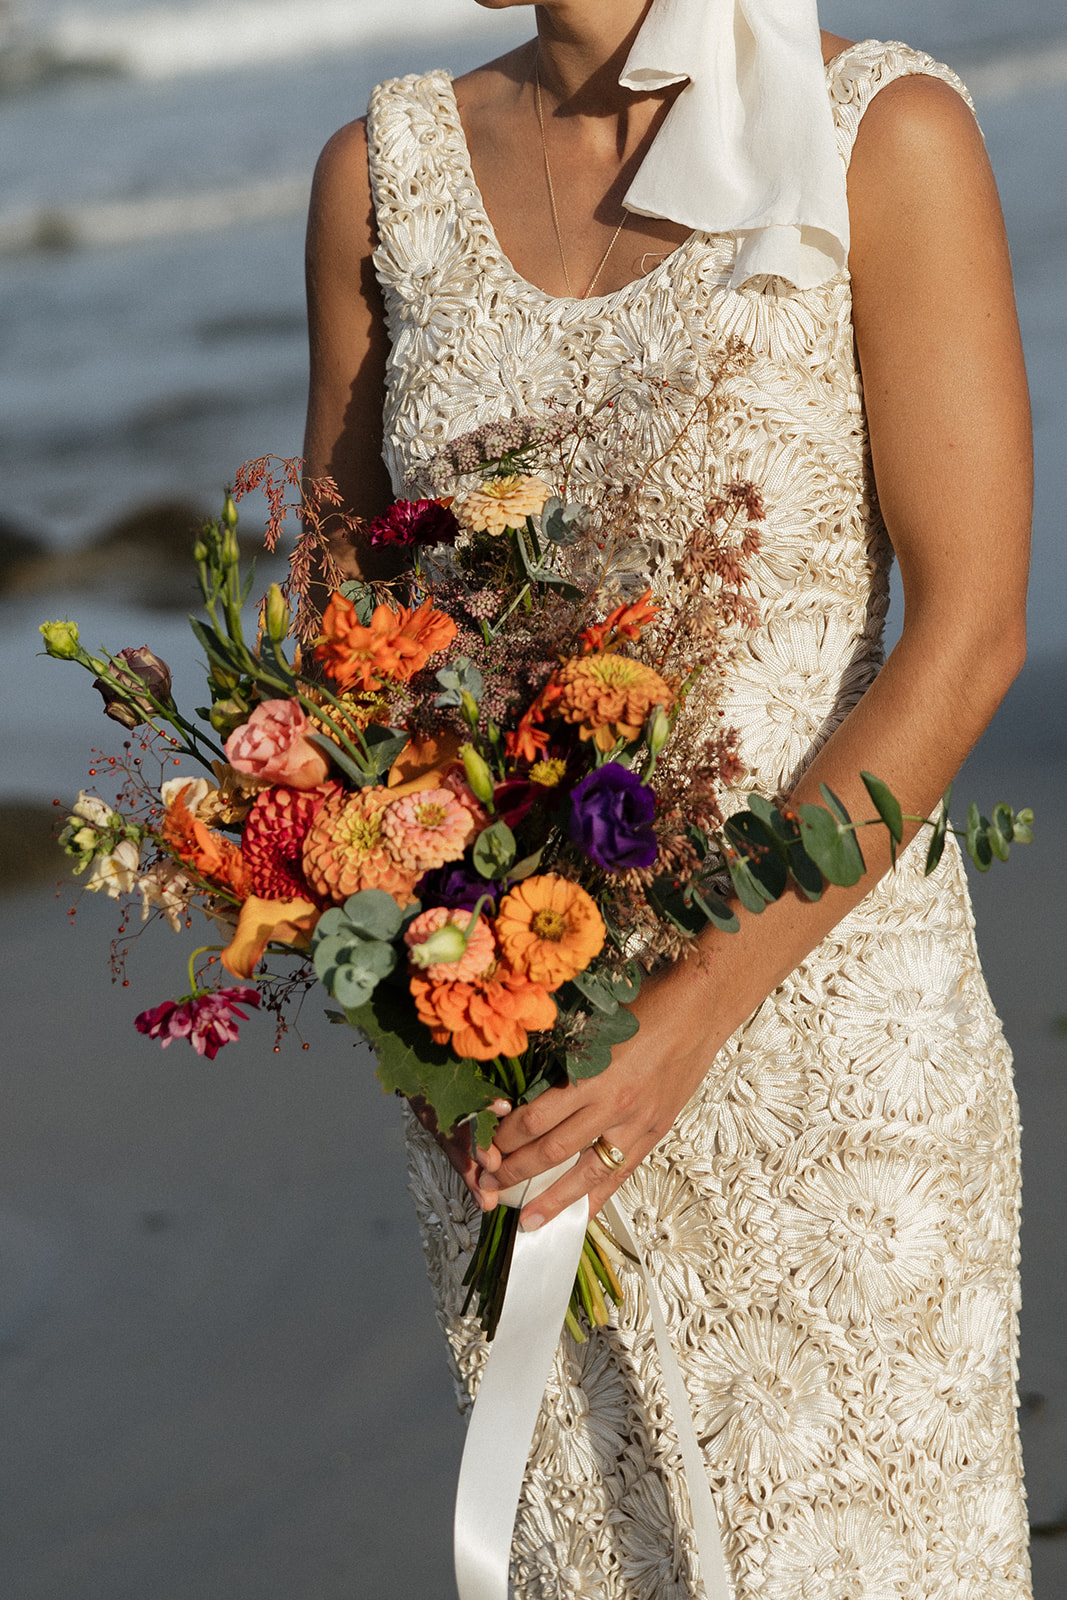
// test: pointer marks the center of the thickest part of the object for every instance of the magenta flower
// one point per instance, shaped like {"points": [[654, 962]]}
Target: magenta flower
{"points": [[414, 522], [205, 1019]]}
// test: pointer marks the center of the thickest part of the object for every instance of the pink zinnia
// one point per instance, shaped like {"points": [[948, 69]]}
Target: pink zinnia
{"points": [[206, 1020], [427, 828]]}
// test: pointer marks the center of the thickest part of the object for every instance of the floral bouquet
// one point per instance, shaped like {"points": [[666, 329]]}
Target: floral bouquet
{"points": [[478, 803]]}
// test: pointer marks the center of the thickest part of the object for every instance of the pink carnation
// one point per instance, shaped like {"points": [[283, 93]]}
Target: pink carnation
{"points": [[273, 745], [206, 1020]]}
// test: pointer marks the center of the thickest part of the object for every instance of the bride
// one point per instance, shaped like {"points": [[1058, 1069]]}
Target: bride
{"points": [[817, 1123]]}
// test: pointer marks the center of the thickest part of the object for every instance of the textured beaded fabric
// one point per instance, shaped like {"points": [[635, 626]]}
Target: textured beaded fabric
{"points": [[833, 1219]]}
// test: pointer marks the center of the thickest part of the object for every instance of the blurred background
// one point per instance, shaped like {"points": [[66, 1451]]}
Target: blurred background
{"points": [[219, 1374]]}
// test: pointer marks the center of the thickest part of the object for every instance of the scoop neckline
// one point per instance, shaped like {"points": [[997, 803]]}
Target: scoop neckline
{"points": [[504, 262], [476, 207]]}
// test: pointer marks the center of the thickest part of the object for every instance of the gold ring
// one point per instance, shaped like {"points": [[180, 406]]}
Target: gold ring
{"points": [[610, 1154]]}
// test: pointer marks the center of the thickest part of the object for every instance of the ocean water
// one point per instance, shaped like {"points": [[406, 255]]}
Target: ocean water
{"points": [[155, 161]]}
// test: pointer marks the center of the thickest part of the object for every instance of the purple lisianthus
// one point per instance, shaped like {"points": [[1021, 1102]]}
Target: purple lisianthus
{"points": [[415, 522], [611, 818], [456, 885], [123, 691], [206, 1020]]}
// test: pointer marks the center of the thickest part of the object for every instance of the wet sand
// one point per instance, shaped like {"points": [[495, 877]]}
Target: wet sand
{"points": [[221, 1377]]}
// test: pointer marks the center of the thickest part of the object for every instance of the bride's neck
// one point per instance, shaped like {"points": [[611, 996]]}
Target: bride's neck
{"points": [[581, 48]]}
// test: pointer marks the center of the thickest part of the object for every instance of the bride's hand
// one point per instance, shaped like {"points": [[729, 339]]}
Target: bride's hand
{"points": [[468, 1159], [631, 1105]]}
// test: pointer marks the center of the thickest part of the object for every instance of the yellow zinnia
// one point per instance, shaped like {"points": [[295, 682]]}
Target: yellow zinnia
{"points": [[503, 503], [548, 929]]}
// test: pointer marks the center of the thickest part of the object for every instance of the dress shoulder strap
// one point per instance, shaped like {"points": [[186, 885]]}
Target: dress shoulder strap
{"points": [[418, 177], [856, 75]]}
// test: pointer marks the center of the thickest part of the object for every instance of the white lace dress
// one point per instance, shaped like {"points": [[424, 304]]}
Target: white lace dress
{"points": [[833, 1219]]}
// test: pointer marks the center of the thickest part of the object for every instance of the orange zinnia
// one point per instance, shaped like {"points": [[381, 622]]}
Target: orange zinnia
{"points": [[609, 697], [485, 1019], [549, 929], [346, 850], [393, 645], [211, 856]]}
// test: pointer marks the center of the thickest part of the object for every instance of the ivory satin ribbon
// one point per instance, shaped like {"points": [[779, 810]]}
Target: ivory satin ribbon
{"points": [[505, 1413]]}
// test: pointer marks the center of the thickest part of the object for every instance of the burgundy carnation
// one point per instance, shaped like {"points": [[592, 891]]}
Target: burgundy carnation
{"points": [[611, 818], [414, 522], [206, 1020]]}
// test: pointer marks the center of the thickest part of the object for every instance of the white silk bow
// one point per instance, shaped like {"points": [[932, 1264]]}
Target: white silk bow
{"points": [[748, 147], [512, 1388]]}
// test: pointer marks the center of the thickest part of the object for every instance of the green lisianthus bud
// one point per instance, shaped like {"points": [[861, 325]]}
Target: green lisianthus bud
{"points": [[61, 640], [478, 774], [277, 614], [657, 731], [444, 946]]}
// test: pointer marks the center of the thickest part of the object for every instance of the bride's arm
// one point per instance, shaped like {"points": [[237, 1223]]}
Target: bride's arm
{"points": [[947, 404]]}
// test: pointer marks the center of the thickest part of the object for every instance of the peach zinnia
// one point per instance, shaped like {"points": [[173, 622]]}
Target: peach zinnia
{"points": [[476, 959], [346, 850], [549, 929], [492, 1017], [502, 503], [608, 696], [426, 829]]}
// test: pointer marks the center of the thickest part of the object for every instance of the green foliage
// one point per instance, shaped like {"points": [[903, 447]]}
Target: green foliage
{"points": [[409, 1061], [591, 1055], [352, 948], [888, 807], [362, 597], [830, 840], [494, 850], [937, 838]]}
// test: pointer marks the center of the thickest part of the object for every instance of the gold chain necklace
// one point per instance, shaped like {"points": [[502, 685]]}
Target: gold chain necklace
{"points": [[552, 201]]}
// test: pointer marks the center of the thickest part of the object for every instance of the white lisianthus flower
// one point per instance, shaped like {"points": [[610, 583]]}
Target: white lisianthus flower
{"points": [[165, 885], [117, 873], [195, 790], [90, 808]]}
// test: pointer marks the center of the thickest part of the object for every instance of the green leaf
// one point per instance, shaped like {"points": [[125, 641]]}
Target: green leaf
{"points": [[764, 852], [747, 886], [374, 913], [671, 903], [219, 650], [717, 910], [456, 1089], [494, 850], [830, 843], [887, 806], [526, 867], [626, 986], [352, 986], [977, 839], [360, 775], [591, 1054], [937, 838], [1023, 826], [363, 598], [485, 1125], [409, 1060], [597, 991]]}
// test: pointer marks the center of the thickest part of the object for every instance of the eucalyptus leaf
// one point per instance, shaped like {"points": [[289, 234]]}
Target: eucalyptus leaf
{"points": [[597, 991], [830, 843], [362, 597], [526, 867], [717, 910], [374, 913], [937, 838], [887, 805], [591, 1054], [494, 850]]}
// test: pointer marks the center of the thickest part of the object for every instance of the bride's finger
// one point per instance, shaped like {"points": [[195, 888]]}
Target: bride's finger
{"points": [[564, 1140], [590, 1176]]}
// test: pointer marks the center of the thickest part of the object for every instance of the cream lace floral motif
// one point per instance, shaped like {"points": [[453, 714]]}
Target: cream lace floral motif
{"points": [[832, 1219]]}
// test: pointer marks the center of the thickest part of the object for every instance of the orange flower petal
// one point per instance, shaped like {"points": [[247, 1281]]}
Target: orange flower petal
{"points": [[422, 764], [264, 922]]}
